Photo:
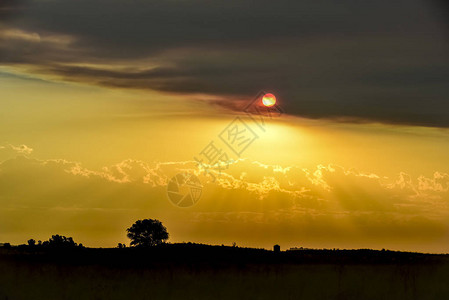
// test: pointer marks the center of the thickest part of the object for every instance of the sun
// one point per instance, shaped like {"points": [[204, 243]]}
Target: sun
{"points": [[268, 100]]}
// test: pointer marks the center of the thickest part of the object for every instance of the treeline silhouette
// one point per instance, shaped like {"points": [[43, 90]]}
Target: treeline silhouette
{"points": [[56, 241], [152, 268], [197, 271], [192, 254], [149, 246]]}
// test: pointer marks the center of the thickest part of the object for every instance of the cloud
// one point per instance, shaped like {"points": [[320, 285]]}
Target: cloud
{"points": [[10, 8], [22, 149], [346, 61], [328, 203], [439, 182], [8, 151], [130, 170], [330, 189]]}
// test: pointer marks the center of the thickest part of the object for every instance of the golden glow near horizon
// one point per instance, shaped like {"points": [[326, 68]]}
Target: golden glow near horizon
{"points": [[87, 162]]}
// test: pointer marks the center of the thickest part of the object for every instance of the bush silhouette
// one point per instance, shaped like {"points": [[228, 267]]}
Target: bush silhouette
{"points": [[147, 233], [58, 241]]}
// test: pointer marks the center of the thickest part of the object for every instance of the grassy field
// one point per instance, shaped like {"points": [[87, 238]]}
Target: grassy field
{"points": [[124, 275]]}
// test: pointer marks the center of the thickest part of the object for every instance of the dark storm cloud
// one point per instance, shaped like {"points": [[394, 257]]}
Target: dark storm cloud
{"points": [[346, 60], [142, 26], [10, 8]]}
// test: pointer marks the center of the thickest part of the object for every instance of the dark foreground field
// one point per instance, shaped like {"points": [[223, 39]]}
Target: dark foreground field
{"points": [[206, 272]]}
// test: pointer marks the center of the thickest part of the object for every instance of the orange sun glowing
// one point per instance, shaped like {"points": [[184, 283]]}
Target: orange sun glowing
{"points": [[269, 100]]}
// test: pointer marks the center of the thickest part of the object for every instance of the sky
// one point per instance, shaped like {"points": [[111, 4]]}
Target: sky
{"points": [[102, 103]]}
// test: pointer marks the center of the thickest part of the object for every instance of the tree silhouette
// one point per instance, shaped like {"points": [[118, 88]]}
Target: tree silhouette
{"points": [[31, 242], [147, 233], [60, 241]]}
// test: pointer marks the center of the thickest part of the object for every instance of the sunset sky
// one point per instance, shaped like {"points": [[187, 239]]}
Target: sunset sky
{"points": [[103, 102]]}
